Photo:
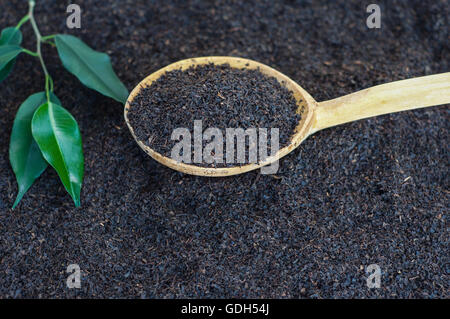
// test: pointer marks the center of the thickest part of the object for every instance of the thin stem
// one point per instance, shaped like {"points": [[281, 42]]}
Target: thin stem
{"points": [[29, 52], [51, 84], [48, 37], [22, 21], [49, 42], [47, 88], [48, 78]]}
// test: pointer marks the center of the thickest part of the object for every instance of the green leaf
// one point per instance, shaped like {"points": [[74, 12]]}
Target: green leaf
{"points": [[59, 139], [8, 54], [92, 68], [9, 36], [6, 70], [24, 154]]}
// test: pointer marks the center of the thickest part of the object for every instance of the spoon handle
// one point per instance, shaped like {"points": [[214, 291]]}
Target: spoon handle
{"points": [[382, 99]]}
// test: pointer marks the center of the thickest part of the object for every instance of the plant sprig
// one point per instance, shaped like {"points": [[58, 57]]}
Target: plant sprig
{"points": [[37, 33], [44, 132]]}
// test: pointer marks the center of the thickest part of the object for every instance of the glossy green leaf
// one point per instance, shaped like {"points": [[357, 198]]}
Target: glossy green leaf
{"points": [[24, 154], [9, 36], [6, 70], [92, 68], [8, 54], [59, 139]]}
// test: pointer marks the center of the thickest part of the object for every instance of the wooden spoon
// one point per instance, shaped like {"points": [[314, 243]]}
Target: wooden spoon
{"points": [[381, 99]]}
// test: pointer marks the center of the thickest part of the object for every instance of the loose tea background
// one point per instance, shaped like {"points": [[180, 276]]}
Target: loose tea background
{"points": [[373, 191]]}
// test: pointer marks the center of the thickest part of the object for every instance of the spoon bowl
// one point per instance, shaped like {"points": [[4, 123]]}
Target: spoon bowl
{"points": [[382, 99]]}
